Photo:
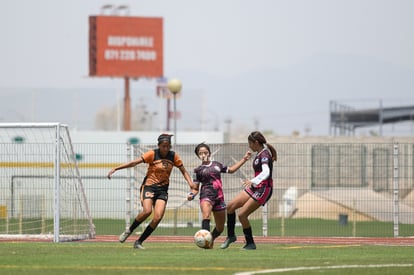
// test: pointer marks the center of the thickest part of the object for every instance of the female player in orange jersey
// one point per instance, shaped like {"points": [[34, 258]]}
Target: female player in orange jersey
{"points": [[154, 189]]}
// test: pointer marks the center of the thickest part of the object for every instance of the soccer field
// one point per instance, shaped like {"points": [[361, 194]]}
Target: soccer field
{"points": [[186, 258]]}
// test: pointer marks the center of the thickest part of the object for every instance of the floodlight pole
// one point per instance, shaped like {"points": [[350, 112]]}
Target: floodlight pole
{"points": [[175, 90], [168, 114], [127, 106], [175, 117]]}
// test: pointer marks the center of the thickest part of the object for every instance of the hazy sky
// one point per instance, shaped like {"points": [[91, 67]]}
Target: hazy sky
{"points": [[264, 64]]}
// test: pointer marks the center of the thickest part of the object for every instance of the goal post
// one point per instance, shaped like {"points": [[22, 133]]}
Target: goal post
{"points": [[41, 190]]}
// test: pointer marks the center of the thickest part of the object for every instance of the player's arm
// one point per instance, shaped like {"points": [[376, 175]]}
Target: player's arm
{"points": [[129, 164], [187, 177], [260, 177], [239, 164], [196, 187], [192, 194], [194, 191]]}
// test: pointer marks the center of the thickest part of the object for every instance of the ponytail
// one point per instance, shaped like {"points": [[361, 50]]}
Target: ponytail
{"points": [[273, 151]]}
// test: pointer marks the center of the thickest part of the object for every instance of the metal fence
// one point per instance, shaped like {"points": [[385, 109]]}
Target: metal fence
{"points": [[321, 189]]}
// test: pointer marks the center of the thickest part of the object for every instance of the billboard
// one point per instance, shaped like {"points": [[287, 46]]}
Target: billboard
{"points": [[125, 46]]}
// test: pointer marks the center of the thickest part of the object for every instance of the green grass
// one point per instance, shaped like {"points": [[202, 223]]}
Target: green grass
{"points": [[292, 227], [186, 258]]}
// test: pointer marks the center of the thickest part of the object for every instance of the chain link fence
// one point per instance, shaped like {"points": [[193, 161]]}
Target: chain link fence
{"points": [[331, 189], [320, 189]]}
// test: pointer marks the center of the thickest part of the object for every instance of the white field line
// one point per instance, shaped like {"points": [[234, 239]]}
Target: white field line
{"points": [[280, 270]]}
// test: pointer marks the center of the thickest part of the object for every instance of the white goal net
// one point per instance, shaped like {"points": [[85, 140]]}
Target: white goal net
{"points": [[41, 190]]}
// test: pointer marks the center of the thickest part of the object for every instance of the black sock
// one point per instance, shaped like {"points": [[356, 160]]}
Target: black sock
{"points": [[248, 235], [146, 234], [134, 225], [205, 224], [231, 223], [215, 233]]}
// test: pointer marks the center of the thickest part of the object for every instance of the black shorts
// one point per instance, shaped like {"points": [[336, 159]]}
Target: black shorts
{"points": [[154, 192]]}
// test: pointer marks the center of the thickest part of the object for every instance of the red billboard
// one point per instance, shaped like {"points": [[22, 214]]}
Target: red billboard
{"points": [[125, 46]]}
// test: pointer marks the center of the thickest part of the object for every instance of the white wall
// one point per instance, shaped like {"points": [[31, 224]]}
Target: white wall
{"points": [[144, 137]]}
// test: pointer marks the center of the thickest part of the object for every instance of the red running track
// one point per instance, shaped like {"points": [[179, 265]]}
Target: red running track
{"points": [[397, 241], [402, 241]]}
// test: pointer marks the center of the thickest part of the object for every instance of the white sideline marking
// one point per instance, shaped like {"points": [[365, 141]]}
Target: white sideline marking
{"points": [[278, 270]]}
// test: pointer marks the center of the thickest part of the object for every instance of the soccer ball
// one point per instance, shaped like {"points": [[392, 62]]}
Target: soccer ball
{"points": [[203, 238]]}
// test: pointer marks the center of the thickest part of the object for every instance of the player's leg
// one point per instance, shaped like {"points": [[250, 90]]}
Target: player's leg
{"points": [[220, 219], [159, 210], [206, 208], [147, 203], [234, 204], [219, 212], [249, 207]]}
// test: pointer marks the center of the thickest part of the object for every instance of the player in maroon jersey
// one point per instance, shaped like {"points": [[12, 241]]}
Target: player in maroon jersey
{"points": [[257, 191], [208, 174]]}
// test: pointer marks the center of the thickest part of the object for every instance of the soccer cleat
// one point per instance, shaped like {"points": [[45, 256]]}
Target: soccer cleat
{"points": [[249, 246], [138, 245], [228, 241], [124, 235]]}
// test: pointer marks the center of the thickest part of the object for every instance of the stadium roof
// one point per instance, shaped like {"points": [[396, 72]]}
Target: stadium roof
{"points": [[370, 117]]}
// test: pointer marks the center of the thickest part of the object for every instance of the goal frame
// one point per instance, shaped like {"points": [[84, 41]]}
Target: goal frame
{"points": [[59, 129]]}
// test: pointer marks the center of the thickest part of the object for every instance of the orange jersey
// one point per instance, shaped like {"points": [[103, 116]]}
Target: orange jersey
{"points": [[159, 168]]}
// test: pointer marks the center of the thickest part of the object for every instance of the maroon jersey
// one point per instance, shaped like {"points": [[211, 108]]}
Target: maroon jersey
{"points": [[264, 190], [209, 176], [263, 157]]}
